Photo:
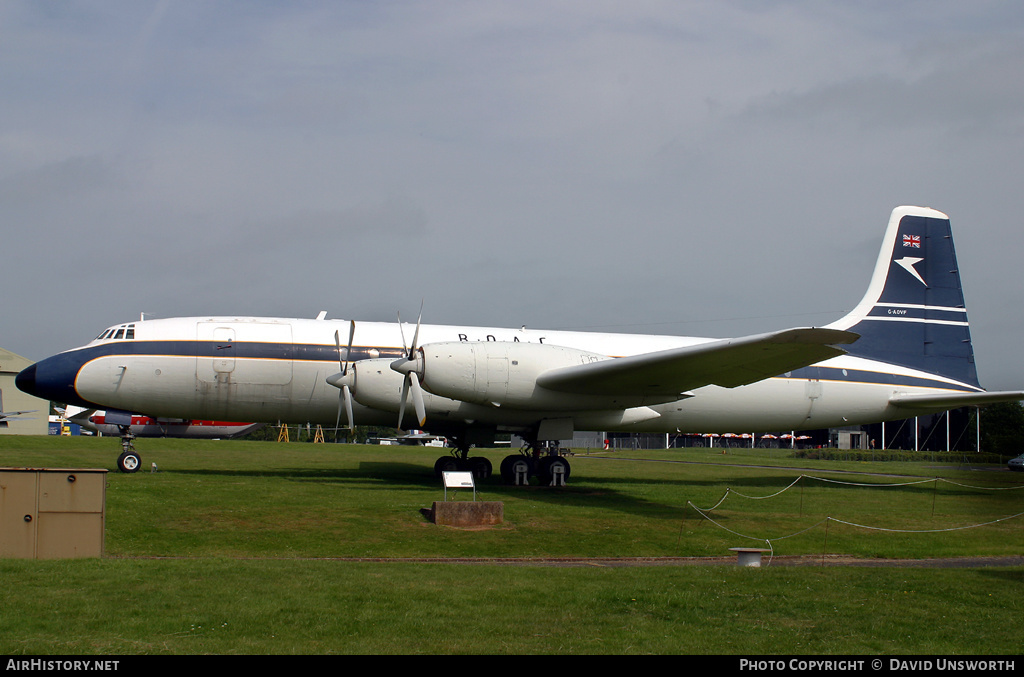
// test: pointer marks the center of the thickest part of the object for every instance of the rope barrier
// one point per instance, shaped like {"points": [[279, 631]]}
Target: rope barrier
{"points": [[729, 490], [925, 531], [703, 512]]}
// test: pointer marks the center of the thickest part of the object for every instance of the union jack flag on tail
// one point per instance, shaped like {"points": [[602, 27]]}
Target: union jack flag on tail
{"points": [[912, 241]]}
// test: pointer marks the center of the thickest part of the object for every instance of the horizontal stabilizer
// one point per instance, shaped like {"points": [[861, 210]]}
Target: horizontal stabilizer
{"points": [[955, 400], [78, 414], [728, 363]]}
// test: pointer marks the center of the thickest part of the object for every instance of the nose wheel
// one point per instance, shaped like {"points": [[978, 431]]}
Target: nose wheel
{"points": [[129, 460]]}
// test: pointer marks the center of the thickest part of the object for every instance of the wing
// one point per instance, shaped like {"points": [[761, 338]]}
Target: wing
{"points": [[11, 415], [728, 363]]}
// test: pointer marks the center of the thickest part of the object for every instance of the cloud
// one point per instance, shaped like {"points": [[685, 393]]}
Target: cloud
{"points": [[709, 168]]}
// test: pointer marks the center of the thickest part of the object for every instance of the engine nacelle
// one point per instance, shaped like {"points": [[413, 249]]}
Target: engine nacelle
{"points": [[377, 386], [504, 374]]}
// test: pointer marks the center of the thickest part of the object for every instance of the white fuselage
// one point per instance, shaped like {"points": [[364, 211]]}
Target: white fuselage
{"points": [[275, 369]]}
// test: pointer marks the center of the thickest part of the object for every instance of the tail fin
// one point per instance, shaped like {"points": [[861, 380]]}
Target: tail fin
{"points": [[913, 314]]}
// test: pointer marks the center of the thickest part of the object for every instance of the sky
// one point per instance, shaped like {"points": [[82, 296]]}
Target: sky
{"points": [[703, 168]]}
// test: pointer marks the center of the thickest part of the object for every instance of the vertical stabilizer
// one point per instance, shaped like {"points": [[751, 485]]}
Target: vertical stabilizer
{"points": [[913, 313]]}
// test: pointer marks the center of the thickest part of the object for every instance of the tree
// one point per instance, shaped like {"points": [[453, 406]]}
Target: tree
{"points": [[1002, 429]]}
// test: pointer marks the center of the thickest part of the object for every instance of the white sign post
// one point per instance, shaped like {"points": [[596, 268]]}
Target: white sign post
{"points": [[456, 480]]}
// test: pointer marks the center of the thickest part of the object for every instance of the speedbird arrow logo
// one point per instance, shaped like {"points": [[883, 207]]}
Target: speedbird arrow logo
{"points": [[908, 263]]}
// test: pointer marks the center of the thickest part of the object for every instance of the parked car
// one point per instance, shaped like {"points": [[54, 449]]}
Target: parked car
{"points": [[1016, 463]]}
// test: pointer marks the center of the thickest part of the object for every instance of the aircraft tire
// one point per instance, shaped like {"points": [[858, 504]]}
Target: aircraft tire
{"points": [[481, 467], [545, 471], [507, 473], [129, 462], [446, 464]]}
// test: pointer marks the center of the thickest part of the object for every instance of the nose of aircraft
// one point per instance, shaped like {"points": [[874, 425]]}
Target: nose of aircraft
{"points": [[52, 379], [26, 380]]}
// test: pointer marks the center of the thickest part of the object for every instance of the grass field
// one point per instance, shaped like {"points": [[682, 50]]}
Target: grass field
{"points": [[257, 548]]}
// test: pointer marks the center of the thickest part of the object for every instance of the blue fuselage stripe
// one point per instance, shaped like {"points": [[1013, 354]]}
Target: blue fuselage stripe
{"points": [[817, 373], [237, 349]]}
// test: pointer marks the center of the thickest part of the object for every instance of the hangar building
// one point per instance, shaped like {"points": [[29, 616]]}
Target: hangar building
{"points": [[12, 399]]}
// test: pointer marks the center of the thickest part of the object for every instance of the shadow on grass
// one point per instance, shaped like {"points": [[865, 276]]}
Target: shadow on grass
{"points": [[596, 486], [407, 475], [591, 492]]}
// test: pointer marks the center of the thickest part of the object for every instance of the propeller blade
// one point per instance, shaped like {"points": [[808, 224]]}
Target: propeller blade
{"points": [[344, 383], [344, 362], [345, 396], [337, 422], [417, 398], [406, 365], [348, 351], [347, 392], [401, 404], [416, 336], [405, 348], [411, 350]]}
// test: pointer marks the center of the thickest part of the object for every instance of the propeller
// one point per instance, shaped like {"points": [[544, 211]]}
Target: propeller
{"points": [[343, 381], [409, 364]]}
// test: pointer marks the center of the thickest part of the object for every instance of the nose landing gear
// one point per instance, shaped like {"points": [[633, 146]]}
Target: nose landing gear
{"points": [[129, 460]]}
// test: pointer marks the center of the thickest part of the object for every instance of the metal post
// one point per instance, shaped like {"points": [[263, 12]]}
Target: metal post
{"points": [[977, 445]]}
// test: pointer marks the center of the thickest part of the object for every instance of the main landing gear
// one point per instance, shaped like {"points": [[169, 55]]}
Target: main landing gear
{"points": [[129, 460], [542, 460], [478, 465]]}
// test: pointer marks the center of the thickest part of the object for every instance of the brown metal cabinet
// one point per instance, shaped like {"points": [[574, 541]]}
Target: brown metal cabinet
{"points": [[52, 513]]}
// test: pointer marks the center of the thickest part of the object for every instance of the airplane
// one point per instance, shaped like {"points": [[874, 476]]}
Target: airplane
{"points": [[129, 426], [421, 438], [904, 350], [6, 416]]}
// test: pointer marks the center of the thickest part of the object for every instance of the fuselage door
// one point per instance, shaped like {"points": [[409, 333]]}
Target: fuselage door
{"points": [[244, 352], [224, 350], [215, 352]]}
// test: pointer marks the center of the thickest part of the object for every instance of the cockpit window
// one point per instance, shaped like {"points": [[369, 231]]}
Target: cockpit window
{"points": [[122, 332]]}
